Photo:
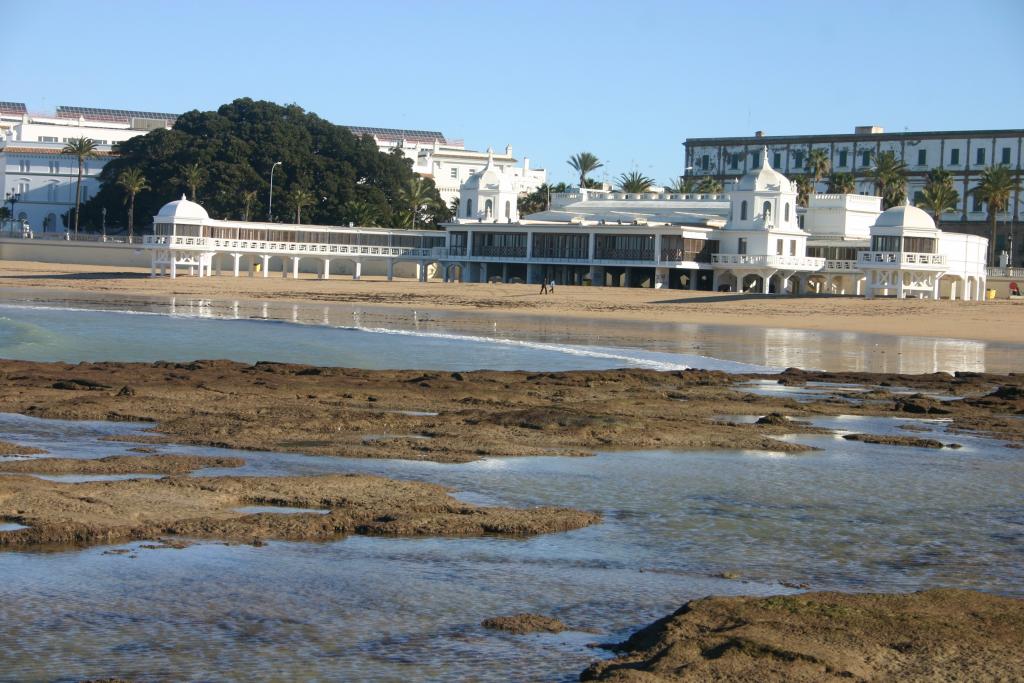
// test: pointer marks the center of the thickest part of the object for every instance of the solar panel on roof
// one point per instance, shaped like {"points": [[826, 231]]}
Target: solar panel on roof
{"points": [[398, 134], [12, 108], [120, 115]]}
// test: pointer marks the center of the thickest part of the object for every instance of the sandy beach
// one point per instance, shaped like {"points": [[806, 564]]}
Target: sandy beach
{"points": [[990, 321]]}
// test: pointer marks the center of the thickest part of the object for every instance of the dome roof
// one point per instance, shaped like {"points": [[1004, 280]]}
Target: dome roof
{"points": [[182, 209], [490, 177], [764, 178], [905, 217]]}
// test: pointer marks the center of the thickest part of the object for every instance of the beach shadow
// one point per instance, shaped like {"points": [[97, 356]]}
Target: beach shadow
{"points": [[748, 297], [78, 276]]}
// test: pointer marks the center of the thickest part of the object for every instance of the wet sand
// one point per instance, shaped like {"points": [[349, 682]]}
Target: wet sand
{"points": [[939, 635], [119, 464], [992, 321]]}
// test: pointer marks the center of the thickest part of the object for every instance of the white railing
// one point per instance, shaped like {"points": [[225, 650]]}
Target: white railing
{"points": [[843, 265], [1005, 272], [872, 259], [768, 261], [292, 248]]}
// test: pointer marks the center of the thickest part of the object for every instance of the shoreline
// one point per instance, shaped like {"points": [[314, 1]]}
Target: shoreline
{"points": [[997, 321]]}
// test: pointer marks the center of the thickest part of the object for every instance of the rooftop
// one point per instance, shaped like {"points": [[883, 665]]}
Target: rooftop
{"points": [[399, 134], [111, 115], [761, 139], [13, 108]]}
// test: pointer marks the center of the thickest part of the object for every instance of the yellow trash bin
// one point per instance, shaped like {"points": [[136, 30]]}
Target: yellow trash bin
{"points": [[258, 267], [990, 294]]}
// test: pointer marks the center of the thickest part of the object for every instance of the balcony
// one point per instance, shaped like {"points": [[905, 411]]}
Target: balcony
{"points": [[842, 266], [740, 261], [901, 259]]}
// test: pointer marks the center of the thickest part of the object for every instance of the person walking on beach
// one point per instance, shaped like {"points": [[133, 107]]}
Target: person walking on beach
{"points": [[543, 286], [551, 287]]}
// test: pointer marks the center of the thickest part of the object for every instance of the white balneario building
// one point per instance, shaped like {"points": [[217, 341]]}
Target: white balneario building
{"points": [[41, 179]]}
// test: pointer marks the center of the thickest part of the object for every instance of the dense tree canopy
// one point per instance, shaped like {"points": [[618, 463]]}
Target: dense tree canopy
{"points": [[344, 178]]}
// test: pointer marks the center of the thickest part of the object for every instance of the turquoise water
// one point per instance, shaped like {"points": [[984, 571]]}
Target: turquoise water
{"points": [[852, 516]]}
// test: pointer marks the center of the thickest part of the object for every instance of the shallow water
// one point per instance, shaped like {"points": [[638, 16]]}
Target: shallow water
{"points": [[852, 516], [499, 340]]}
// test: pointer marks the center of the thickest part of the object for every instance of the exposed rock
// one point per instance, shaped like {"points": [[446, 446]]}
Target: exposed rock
{"points": [[8, 448], [120, 464], [911, 441], [525, 623], [948, 635]]}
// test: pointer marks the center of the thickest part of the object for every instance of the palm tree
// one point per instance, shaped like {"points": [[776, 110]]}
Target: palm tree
{"points": [[890, 176], [453, 206], [248, 199], [939, 195], [994, 188], [709, 185], [133, 182], [842, 183], [298, 198], [83, 148], [682, 185], [416, 197], [804, 188], [584, 163], [635, 182], [361, 213], [818, 164], [194, 176]]}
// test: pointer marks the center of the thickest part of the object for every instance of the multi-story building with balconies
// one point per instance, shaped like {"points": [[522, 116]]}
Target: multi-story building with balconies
{"points": [[965, 154]]}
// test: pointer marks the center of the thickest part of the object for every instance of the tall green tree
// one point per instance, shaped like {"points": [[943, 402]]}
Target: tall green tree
{"points": [[804, 188], [584, 164], [709, 185], [996, 185], [237, 145], [842, 183], [818, 165], [248, 200], [890, 176], [361, 214], [193, 176], [82, 149], [938, 195], [132, 182], [298, 199], [635, 182], [418, 200], [682, 185]]}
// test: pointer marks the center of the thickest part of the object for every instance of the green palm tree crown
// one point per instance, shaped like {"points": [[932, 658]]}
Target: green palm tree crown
{"points": [[709, 185], [996, 185], [635, 182], [82, 148], [584, 164], [416, 197], [362, 213], [890, 176], [842, 183], [248, 199], [818, 164], [804, 188], [193, 176], [132, 181], [938, 195], [300, 197], [682, 185]]}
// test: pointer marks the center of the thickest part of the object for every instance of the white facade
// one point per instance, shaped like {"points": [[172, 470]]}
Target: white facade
{"points": [[44, 179], [448, 163]]}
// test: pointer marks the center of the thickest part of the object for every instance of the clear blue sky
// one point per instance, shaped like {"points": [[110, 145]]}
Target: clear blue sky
{"points": [[627, 81]]}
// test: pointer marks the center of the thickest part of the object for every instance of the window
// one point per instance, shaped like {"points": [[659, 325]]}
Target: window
{"points": [[865, 158], [919, 245], [454, 173], [954, 157], [977, 205], [885, 243], [488, 209], [1006, 156], [980, 156], [51, 191], [918, 196], [469, 208], [743, 210], [734, 161], [798, 159], [922, 157], [47, 138], [508, 210], [755, 159], [24, 166], [55, 167], [777, 160], [741, 245], [766, 210], [792, 247], [787, 212], [779, 247], [705, 162], [23, 188], [842, 158]]}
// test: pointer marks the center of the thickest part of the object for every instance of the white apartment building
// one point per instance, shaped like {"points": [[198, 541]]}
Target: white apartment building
{"points": [[449, 163], [41, 180], [965, 154]]}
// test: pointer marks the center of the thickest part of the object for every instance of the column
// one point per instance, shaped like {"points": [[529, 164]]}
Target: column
{"points": [[766, 282], [174, 264], [266, 264], [237, 258], [421, 273], [327, 270], [217, 258], [390, 265], [358, 272], [935, 287], [529, 245], [694, 278], [504, 273], [483, 273], [152, 263]]}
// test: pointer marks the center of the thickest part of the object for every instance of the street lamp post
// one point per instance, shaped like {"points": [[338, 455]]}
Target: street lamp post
{"points": [[13, 198], [270, 203], [104, 224]]}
